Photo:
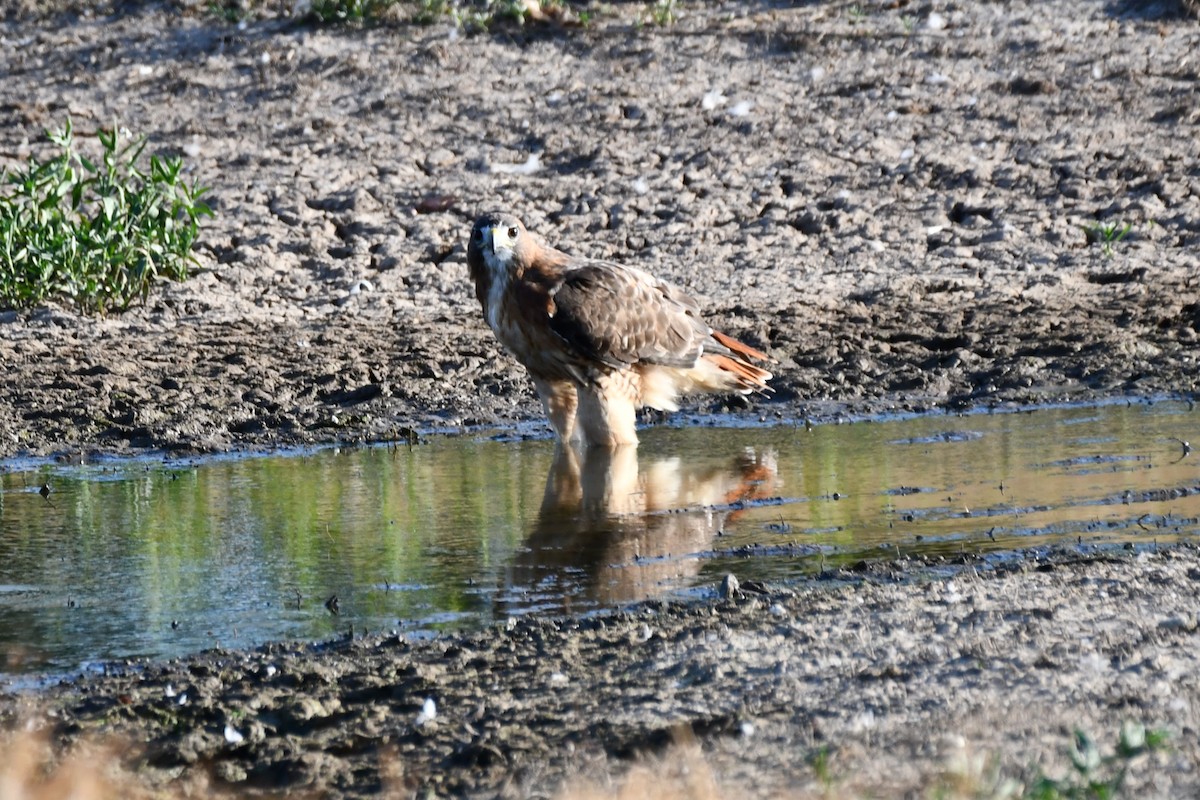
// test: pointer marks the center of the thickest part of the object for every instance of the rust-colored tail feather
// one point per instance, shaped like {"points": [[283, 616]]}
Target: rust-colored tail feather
{"points": [[744, 350], [749, 377]]}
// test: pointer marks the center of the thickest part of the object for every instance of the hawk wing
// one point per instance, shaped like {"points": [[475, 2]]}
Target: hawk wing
{"points": [[621, 316]]}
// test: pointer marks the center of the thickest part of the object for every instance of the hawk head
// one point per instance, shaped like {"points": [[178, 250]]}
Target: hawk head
{"points": [[499, 242]]}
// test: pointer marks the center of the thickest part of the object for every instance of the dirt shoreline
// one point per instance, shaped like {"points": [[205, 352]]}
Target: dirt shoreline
{"points": [[893, 202]]}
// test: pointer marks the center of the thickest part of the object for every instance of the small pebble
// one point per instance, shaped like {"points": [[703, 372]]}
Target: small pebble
{"points": [[532, 164], [1178, 622], [741, 108], [428, 712]]}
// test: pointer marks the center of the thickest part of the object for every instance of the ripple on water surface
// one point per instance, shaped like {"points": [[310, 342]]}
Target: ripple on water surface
{"points": [[143, 558]]}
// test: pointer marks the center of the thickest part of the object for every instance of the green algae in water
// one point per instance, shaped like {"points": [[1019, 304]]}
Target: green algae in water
{"points": [[132, 559]]}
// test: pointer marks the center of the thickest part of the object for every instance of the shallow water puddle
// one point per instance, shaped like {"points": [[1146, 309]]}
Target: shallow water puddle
{"points": [[151, 559]]}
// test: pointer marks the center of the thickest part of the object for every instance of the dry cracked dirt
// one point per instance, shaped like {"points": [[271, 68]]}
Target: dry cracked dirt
{"points": [[894, 202]]}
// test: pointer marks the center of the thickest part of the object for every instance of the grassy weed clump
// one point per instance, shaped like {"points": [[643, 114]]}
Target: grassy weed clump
{"points": [[328, 11], [1096, 776], [322, 12], [96, 233], [1093, 775], [1106, 234], [469, 15], [318, 11]]}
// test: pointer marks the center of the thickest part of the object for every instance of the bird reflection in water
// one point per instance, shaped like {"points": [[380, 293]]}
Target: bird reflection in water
{"points": [[611, 530]]}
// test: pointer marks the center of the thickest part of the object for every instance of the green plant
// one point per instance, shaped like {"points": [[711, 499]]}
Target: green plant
{"points": [[1096, 776], [430, 11], [1093, 777], [662, 13], [1106, 234], [482, 15], [348, 10], [320, 11], [819, 761], [97, 233], [230, 12]]}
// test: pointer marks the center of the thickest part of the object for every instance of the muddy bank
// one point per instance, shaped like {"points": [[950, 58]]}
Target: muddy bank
{"points": [[896, 679], [903, 206]]}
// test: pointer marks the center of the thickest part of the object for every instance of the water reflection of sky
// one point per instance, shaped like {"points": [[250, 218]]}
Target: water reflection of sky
{"points": [[157, 559]]}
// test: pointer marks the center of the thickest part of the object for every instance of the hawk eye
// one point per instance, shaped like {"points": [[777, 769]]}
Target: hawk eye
{"points": [[512, 233]]}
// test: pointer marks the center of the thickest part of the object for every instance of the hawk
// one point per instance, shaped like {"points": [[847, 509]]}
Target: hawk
{"points": [[599, 340]]}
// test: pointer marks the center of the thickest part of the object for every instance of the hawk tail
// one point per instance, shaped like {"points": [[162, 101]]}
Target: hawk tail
{"points": [[726, 369], [739, 348], [746, 377], [736, 362]]}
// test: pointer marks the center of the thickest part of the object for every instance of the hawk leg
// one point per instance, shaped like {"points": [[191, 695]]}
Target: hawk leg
{"points": [[607, 413], [560, 401]]}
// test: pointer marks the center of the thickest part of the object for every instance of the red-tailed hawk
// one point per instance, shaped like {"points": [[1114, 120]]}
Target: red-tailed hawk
{"points": [[599, 340]]}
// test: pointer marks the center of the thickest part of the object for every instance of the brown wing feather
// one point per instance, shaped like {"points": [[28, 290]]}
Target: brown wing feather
{"points": [[621, 316]]}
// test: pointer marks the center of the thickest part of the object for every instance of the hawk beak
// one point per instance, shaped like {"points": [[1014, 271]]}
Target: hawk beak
{"points": [[496, 244], [496, 247]]}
